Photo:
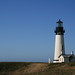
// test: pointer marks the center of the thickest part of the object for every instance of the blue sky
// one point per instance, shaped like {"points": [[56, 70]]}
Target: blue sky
{"points": [[27, 28]]}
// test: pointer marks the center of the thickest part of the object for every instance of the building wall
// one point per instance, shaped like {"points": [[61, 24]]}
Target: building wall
{"points": [[73, 59], [61, 59], [59, 43], [66, 59]]}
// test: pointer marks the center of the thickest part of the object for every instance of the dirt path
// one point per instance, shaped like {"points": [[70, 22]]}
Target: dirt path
{"points": [[36, 67], [32, 68]]}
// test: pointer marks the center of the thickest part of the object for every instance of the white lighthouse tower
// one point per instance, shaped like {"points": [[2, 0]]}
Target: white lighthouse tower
{"points": [[59, 41]]}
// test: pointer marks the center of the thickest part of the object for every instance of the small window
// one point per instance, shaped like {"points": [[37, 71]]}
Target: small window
{"points": [[60, 59]]}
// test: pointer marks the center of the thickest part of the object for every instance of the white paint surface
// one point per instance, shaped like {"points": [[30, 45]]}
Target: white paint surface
{"points": [[59, 47]]}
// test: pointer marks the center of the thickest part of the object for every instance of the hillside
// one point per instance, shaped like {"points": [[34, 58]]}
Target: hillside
{"points": [[23, 68]]}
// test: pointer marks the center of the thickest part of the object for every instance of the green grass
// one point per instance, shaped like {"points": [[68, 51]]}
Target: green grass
{"points": [[8, 67], [53, 70], [11, 66], [72, 64]]}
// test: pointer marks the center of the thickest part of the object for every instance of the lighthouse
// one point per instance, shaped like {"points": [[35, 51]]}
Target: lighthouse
{"points": [[59, 53], [59, 41]]}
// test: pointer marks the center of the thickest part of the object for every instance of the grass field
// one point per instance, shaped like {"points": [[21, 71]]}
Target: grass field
{"points": [[23, 68]]}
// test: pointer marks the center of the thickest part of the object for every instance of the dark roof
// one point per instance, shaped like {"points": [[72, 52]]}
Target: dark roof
{"points": [[59, 21], [66, 55]]}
